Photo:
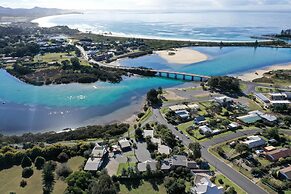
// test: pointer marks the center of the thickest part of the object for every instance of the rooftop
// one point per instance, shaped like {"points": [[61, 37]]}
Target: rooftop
{"points": [[93, 164]]}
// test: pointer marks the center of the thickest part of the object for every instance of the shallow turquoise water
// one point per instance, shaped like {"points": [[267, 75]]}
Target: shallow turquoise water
{"points": [[34, 108]]}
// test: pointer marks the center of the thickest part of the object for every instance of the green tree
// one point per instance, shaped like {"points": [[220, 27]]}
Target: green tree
{"points": [[196, 149], [39, 162], [75, 62], [78, 181], [26, 162], [27, 172], [241, 148], [103, 185], [48, 178], [63, 157], [152, 97]]}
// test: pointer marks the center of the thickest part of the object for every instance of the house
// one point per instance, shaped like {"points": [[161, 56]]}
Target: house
{"points": [[163, 149], [148, 133], [269, 148], [278, 96], [223, 100], [254, 141], [183, 114], [205, 130], [178, 107], [233, 126], [99, 151], [193, 106], [262, 99], [280, 103], [142, 167], [265, 117], [286, 173], [204, 186], [279, 153], [249, 119], [93, 164], [124, 145], [179, 160], [199, 120]]}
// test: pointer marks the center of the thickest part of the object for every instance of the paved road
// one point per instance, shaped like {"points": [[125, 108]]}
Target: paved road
{"points": [[232, 174]]}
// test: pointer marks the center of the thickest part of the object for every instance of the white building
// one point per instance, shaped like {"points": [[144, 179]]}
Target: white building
{"points": [[204, 130], [204, 186], [254, 141]]}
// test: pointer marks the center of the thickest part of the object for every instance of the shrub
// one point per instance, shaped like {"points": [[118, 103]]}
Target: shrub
{"points": [[63, 157], [26, 162], [27, 172], [23, 183], [63, 170], [39, 162], [220, 181]]}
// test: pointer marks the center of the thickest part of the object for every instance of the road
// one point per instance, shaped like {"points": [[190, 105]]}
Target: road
{"points": [[232, 174]]}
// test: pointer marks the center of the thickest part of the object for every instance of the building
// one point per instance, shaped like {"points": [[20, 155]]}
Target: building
{"points": [[124, 145], [265, 117], [278, 96], [280, 103], [249, 119], [193, 106], [269, 148], [142, 167], [277, 154], [93, 164], [223, 100], [204, 186], [254, 141], [98, 155], [262, 99], [178, 161], [183, 114], [178, 107], [233, 126], [163, 149], [286, 173], [199, 120], [148, 133], [205, 130]]}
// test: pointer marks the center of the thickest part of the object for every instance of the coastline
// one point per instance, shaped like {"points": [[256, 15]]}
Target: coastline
{"points": [[259, 73], [182, 56]]}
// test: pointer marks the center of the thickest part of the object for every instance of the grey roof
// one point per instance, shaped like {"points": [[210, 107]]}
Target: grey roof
{"points": [[93, 164], [192, 165], [179, 160], [142, 167], [124, 143], [262, 97]]}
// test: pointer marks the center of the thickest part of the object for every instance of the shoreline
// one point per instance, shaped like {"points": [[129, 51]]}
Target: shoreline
{"points": [[182, 56], [259, 73]]}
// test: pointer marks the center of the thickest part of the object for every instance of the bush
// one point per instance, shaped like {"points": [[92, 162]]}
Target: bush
{"points": [[140, 115], [39, 162], [63, 170], [26, 162], [23, 183], [220, 181], [27, 172], [63, 157]]}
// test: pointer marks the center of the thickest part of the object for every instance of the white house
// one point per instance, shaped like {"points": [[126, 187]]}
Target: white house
{"points": [[254, 141], [204, 130], [204, 186]]}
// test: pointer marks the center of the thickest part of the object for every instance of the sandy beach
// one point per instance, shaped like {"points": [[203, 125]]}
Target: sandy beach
{"points": [[250, 76], [182, 56]]}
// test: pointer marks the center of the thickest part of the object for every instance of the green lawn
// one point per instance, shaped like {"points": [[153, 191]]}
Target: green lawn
{"points": [[124, 166], [146, 116], [10, 180], [53, 57], [226, 181], [143, 188]]}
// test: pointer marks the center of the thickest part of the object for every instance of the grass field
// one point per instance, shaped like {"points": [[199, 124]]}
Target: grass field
{"points": [[226, 181], [124, 166], [10, 180], [143, 188], [54, 57]]}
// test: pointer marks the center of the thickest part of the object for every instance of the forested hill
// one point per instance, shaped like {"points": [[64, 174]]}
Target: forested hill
{"points": [[34, 12]]}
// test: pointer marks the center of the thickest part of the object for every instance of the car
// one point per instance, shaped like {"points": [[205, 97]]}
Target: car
{"points": [[181, 132], [187, 137], [176, 128]]}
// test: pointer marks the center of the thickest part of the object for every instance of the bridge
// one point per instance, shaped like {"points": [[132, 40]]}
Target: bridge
{"points": [[160, 73]]}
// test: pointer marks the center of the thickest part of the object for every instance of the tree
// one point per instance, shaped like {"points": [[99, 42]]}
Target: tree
{"points": [[230, 190], [75, 62], [48, 178], [63, 170], [196, 149], [27, 172], [23, 183], [26, 162], [39, 162], [241, 148], [152, 97], [273, 133], [103, 185], [224, 84], [63, 157], [79, 181]]}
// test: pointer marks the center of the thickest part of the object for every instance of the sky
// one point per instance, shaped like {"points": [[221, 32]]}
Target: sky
{"points": [[153, 4]]}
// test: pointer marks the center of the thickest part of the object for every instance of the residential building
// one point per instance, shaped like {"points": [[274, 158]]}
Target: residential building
{"points": [[278, 96], [163, 149], [262, 99], [199, 120], [286, 173], [249, 119], [178, 161], [148, 133], [279, 153], [254, 141], [205, 130], [269, 148], [183, 114], [204, 186], [93, 164], [223, 100], [124, 145], [142, 167], [99, 151], [280, 103], [233, 126], [98, 155], [178, 107]]}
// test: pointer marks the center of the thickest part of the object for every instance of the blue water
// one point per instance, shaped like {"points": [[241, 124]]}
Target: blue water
{"points": [[201, 25], [34, 108]]}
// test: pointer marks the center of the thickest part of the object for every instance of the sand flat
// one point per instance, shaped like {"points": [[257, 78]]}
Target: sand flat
{"points": [[182, 56], [250, 76]]}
